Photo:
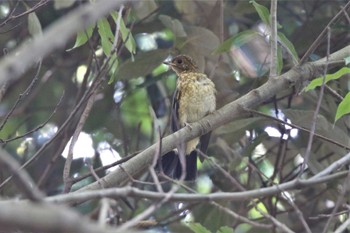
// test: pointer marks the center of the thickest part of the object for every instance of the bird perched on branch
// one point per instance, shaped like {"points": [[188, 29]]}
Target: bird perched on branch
{"points": [[194, 98]]}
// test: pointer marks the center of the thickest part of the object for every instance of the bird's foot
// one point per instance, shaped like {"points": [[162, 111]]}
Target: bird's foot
{"points": [[188, 124]]}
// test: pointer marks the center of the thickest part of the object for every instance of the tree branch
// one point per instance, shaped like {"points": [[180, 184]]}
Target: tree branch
{"points": [[137, 165], [20, 60], [128, 191], [46, 218]]}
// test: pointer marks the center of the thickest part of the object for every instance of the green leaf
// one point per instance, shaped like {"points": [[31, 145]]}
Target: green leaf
{"points": [[174, 25], [263, 12], [237, 40], [113, 64], [243, 228], [201, 40], [225, 229], [34, 26], [138, 99], [198, 228], [288, 46], [143, 64], [127, 37], [318, 81], [106, 34], [254, 213], [343, 107], [347, 60], [82, 37]]}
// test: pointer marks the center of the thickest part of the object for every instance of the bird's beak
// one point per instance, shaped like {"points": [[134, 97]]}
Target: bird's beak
{"points": [[167, 63]]}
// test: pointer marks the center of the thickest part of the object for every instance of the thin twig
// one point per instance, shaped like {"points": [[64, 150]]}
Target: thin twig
{"points": [[127, 191], [340, 199], [317, 110], [38, 127], [21, 177], [34, 8], [273, 39], [69, 159], [300, 128], [24, 94], [320, 37]]}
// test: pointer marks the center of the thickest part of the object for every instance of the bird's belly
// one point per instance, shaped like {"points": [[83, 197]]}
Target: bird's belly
{"points": [[197, 105]]}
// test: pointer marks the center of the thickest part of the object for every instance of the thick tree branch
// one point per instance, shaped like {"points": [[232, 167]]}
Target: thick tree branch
{"points": [[46, 218], [137, 165]]}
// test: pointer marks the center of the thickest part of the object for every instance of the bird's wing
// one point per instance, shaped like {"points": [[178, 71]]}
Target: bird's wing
{"points": [[175, 125]]}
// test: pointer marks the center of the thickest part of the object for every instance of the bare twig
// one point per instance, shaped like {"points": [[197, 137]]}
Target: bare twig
{"points": [[78, 197], [340, 199], [22, 179], [314, 118], [24, 94], [117, 29], [241, 218], [343, 227], [300, 128], [69, 159], [273, 39], [66, 27], [34, 8], [320, 37], [38, 127], [334, 166]]}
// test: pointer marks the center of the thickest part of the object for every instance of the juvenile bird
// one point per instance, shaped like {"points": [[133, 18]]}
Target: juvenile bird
{"points": [[193, 99]]}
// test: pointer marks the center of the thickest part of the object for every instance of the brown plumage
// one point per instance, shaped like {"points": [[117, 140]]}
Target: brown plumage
{"points": [[194, 98]]}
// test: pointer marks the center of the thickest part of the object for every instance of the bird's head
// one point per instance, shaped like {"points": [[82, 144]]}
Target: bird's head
{"points": [[182, 63]]}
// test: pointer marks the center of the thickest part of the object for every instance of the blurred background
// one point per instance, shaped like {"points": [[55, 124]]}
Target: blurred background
{"points": [[229, 40]]}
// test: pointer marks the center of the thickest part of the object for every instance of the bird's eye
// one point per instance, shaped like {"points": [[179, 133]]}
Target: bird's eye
{"points": [[179, 61]]}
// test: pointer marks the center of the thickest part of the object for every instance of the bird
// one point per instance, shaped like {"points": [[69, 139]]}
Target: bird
{"points": [[193, 99]]}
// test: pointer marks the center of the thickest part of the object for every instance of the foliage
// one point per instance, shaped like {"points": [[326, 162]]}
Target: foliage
{"points": [[110, 81]]}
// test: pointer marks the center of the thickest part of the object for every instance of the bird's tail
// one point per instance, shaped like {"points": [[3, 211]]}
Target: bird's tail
{"points": [[171, 165]]}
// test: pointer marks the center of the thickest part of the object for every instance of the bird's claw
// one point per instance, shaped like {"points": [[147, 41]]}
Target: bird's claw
{"points": [[188, 124]]}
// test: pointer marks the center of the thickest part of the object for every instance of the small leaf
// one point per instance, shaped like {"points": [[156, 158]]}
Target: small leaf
{"points": [[143, 9], [82, 38], [127, 37], [61, 4], [106, 34], [263, 12], [243, 228], [113, 64], [225, 229], [343, 107], [144, 64], [174, 25], [237, 40], [202, 39], [288, 46], [318, 81], [34, 26], [198, 228], [347, 60]]}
